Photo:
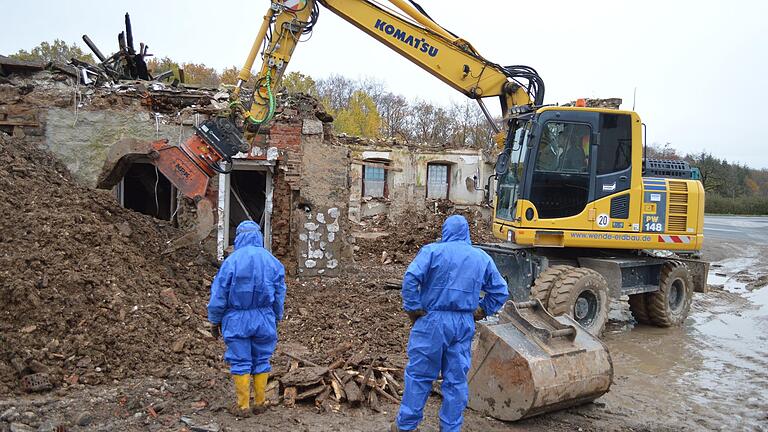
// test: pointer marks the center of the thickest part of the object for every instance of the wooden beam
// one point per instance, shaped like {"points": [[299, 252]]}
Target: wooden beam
{"points": [[375, 165]]}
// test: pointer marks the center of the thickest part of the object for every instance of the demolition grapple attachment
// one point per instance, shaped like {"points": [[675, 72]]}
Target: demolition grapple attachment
{"points": [[188, 166]]}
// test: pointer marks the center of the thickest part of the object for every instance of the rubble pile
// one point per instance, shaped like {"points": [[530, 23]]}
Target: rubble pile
{"points": [[88, 296], [399, 242], [328, 316]]}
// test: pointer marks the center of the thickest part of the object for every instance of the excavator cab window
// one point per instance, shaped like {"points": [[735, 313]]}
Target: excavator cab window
{"points": [[560, 185], [614, 155], [509, 181]]}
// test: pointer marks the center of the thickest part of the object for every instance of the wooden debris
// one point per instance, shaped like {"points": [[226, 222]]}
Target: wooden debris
{"points": [[337, 385], [391, 381], [323, 396], [366, 377], [380, 391], [311, 392], [289, 396], [353, 393], [337, 364], [373, 401], [360, 380], [273, 391], [299, 359], [303, 376]]}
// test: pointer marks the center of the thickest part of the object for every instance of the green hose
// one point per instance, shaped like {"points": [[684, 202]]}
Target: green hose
{"points": [[271, 98]]}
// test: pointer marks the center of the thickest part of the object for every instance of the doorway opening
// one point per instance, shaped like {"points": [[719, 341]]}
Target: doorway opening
{"points": [[146, 190]]}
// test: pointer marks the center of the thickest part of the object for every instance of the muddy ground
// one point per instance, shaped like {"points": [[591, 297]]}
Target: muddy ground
{"points": [[711, 374], [89, 297]]}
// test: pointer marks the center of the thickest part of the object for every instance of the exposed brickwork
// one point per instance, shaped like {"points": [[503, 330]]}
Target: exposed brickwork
{"points": [[285, 136], [281, 221]]}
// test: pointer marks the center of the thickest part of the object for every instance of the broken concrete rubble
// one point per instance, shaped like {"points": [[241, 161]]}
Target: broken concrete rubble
{"points": [[613, 103]]}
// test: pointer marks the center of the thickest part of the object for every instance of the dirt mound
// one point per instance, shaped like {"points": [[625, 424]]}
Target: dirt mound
{"points": [[401, 239], [87, 294], [334, 316]]}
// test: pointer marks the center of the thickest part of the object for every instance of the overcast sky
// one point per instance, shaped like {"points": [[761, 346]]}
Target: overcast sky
{"points": [[699, 66]]}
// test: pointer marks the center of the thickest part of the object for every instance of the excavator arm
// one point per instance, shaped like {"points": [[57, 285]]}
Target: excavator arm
{"points": [[408, 30]]}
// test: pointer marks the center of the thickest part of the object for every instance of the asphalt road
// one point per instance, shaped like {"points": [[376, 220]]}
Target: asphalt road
{"points": [[736, 228]]}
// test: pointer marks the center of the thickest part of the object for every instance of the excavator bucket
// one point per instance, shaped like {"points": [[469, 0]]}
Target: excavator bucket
{"points": [[529, 363]]}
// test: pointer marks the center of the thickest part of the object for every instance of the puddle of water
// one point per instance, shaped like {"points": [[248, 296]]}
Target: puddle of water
{"points": [[724, 273], [712, 373]]}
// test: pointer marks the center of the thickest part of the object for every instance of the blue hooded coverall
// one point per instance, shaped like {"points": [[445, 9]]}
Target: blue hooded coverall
{"points": [[445, 280], [247, 297]]}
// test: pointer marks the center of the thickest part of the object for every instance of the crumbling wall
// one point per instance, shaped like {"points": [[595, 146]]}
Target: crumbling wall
{"points": [[406, 179], [322, 213], [79, 124], [71, 134]]}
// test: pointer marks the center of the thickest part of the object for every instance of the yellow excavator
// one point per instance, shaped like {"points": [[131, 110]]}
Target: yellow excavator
{"points": [[584, 218]]}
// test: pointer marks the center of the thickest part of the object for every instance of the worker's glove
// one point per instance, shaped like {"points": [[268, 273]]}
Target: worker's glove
{"points": [[216, 330], [479, 314], [415, 315]]}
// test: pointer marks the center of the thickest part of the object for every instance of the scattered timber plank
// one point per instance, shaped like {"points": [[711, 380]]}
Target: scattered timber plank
{"points": [[338, 386], [311, 392], [354, 395], [273, 391], [381, 392], [304, 376], [289, 396], [323, 397], [373, 402], [299, 359]]}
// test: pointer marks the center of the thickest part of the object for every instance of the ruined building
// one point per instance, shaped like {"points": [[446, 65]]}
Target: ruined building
{"points": [[303, 184]]}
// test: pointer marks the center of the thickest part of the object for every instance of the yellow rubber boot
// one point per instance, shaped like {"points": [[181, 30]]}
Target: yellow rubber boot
{"points": [[259, 391], [243, 391]]}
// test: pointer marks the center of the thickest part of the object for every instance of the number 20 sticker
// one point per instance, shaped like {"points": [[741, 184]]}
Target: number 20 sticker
{"points": [[603, 220]]}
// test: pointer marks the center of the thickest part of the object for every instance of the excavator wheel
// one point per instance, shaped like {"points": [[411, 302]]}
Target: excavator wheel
{"points": [[543, 284], [669, 306], [582, 294], [638, 305]]}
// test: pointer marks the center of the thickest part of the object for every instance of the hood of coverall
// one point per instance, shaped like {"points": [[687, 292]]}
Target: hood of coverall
{"points": [[248, 234], [456, 228]]}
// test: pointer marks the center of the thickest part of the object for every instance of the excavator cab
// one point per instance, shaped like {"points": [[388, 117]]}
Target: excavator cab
{"points": [[560, 161], [568, 172]]}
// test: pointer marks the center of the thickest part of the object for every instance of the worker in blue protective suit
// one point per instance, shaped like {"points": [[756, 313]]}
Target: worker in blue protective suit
{"points": [[441, 295], [247, 298]]}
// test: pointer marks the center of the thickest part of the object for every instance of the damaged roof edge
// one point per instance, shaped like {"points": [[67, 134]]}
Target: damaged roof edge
{"points": [[9, 65]]}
